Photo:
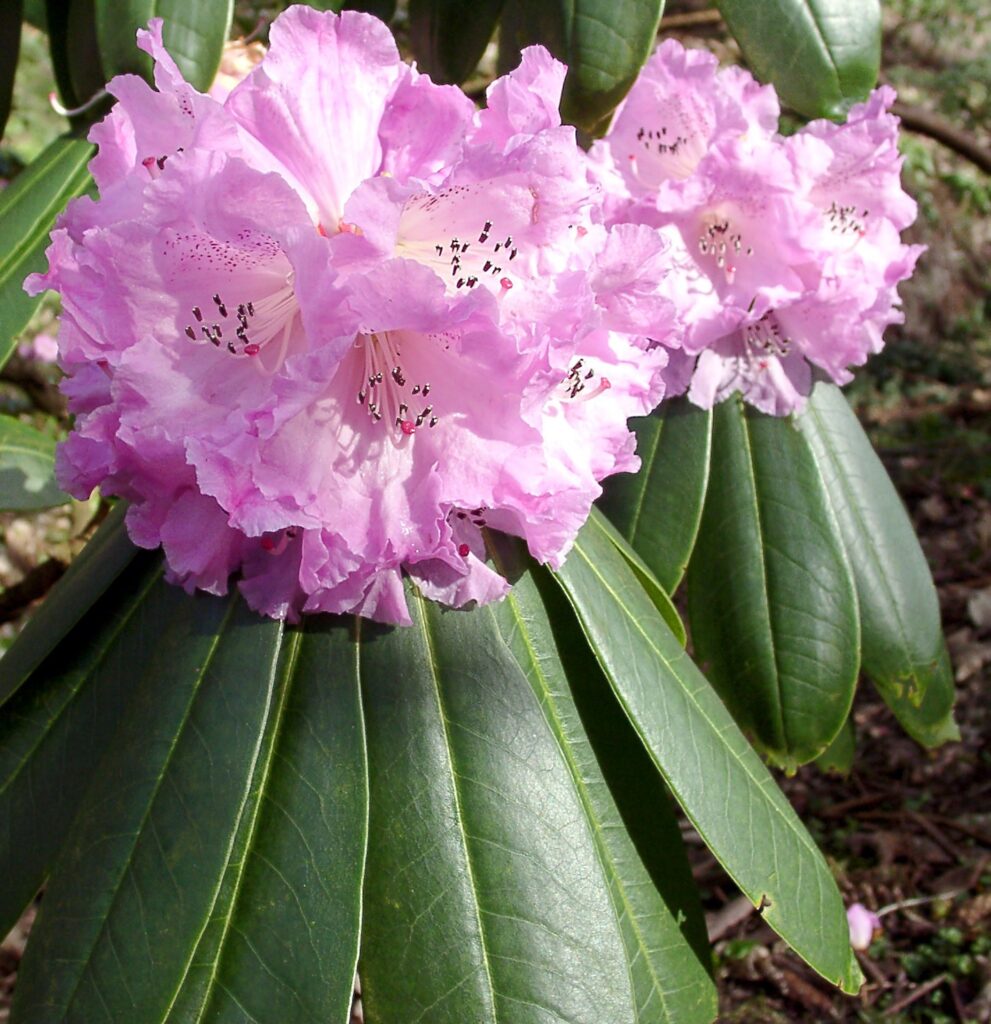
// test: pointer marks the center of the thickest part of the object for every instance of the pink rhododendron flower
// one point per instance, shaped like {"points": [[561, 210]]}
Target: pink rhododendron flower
{"points": [[863, 924], [323, 330], [788, 249]]}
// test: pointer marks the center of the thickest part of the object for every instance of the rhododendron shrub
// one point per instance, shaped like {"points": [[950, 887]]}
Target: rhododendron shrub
{"points": [[323, 331], [337, 338]]}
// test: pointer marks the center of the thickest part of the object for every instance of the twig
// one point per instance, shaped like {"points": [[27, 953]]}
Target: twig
{"points": [[727, 918], [918, 901], [935, 835], [838, 810], [923, 990], [925, 122], [695, 19], [35, 584]]}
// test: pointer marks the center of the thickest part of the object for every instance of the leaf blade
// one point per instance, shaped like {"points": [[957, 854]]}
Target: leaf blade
{"points": [[904, 652], [603, 42], [821, 55], [635, 832], [771, 599], [28, 209], [659, 508], [473, 823], [721, 784], [184, 856], [27, 468]]}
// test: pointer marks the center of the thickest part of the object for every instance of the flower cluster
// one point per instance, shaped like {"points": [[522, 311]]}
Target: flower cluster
{"points": [[327, 322], [788, 249], [325, 326]]}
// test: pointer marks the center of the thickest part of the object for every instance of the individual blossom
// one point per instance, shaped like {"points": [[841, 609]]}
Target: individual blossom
{"points": [[789, 249], [324, 330], [863, 924]]}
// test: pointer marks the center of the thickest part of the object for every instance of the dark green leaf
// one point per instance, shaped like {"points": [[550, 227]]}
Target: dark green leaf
{"points": [[603, 42], [214, 870], [384, 9], [838, 756], [658, 509], [10, 32], [448, 37], [27, 467], [903, 647], [822, 56], [28, 208], [194, 34], [771, 602], [75, 57], [484, 896], [650, 583], [636, 835], [101, 562], [720, 782], [54, 730]]}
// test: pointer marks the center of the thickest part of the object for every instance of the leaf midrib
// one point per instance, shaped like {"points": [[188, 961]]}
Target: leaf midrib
{"points": [[590, 814], [150, 803]]}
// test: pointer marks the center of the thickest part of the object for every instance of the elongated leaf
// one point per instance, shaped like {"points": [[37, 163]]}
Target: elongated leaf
{"points": [[484, 896], [10, 31], [821, 55], [214, 871], [650, 583], [27, 467], [75, 57], [28, 209], [448, 37], [194, 34], [99, 564], [384, 9], [54, 730], [636, 834], [903, 648], [658, 509], [770, 596], [603, 42], [720, 782]]}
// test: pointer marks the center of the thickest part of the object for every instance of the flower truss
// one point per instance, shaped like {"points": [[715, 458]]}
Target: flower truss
{"points": [[327, 322], [323, 329], [789, 248]]}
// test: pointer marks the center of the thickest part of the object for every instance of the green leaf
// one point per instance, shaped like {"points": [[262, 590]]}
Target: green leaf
{"points": [[448, 37], [27, 468], [54, 730], [75, 57], [650, 583], [28, 208], [771, 601], [904, 652], [822, 56], [384, 9], [10, 30], [194, 34], [484, 896], [91, 573], [603, 42], [720, 782], [838, 757], [659, 508], [636, 834], [214, 870]]}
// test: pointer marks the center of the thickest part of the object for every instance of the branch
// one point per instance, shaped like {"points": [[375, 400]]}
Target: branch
{"points": [[927, 123]]}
